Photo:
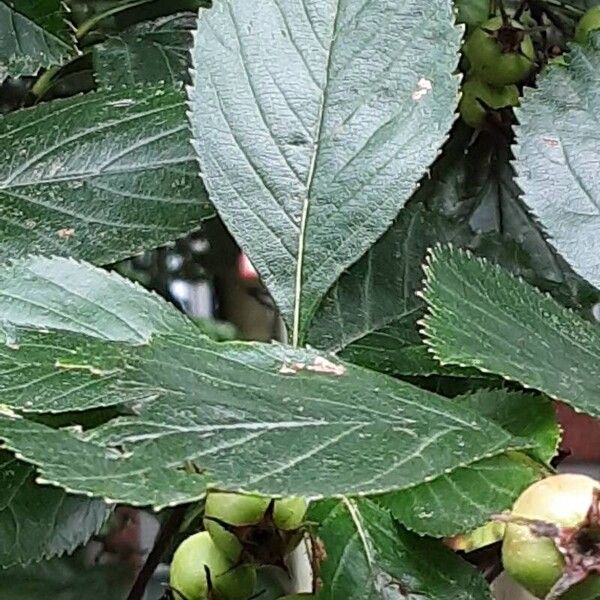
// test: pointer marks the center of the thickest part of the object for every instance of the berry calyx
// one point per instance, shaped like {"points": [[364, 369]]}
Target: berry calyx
{"points": [[589, 22], [552, 540], [255, 529], [500, 52], [479, 100], [200, 571]]}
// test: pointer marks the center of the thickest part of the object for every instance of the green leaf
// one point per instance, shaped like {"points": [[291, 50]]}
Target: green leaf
{"points": [[370, 557], [529, 416], [33, 34], [379, 291], [44, 372], [51, 373], [481, 316], [398, 350], [466, 498], [153, 52], [40, 522], [66, 578], [556, 153], [369, 316], [63, 294], [472, 12], [327, 114], [100, 176], [252, 416]]}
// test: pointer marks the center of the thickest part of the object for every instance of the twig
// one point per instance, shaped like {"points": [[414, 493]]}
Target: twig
{"points": [[169, 529]]}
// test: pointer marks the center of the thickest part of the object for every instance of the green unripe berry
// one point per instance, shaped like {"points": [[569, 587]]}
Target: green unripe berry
{"points": [[236, 509], [479, 97], [534, 561], [199, 568], [500, 53], [224, 510], [289, 513], [588, 23]]}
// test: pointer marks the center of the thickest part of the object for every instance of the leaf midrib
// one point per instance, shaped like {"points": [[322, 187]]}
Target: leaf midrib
{"points": [[309, 185]]}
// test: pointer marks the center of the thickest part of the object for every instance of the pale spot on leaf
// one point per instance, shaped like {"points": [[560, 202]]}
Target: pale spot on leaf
{"points": [[66, 233], [320, 365], [424, 86]]}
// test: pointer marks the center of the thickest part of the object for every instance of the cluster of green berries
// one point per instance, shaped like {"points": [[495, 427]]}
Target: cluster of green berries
{"points": [[500, 55], [241, 532]]}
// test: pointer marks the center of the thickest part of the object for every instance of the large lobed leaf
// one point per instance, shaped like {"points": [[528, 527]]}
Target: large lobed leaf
{"points": [[557, 157], [370, 557], [100, 176], [249, 416], [154, 51], [33, 34], [481, 316], [41, 522], [326, 115]]}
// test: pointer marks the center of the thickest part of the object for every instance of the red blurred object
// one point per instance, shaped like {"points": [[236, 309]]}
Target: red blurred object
{"points": [[246, 269], [581, 434], [124, 537]]}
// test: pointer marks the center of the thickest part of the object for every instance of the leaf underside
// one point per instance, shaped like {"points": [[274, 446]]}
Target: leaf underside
{"points": [[557, 157], [328, 114]]}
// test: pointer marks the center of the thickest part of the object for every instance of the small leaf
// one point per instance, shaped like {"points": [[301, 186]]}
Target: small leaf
{"points": [[327, 114], [460, 501], [369, 556], [33, 34], [41, 522], [529, 416], [557, 157], [55, 293], [466, 498], [481, 316], [154, 51], [100, 176]]}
